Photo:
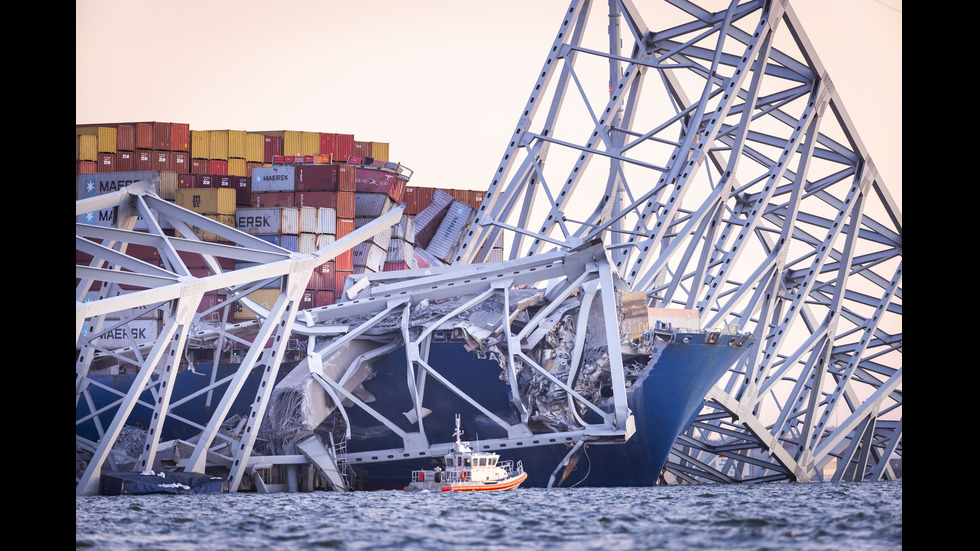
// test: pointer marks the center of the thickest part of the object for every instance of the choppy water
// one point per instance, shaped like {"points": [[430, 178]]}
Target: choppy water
{"points": [[852, 516]]}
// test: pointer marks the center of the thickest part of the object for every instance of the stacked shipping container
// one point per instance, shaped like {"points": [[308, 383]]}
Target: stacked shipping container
{"points": [[299, 190]]}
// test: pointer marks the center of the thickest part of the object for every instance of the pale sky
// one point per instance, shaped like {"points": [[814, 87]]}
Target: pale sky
{"points": [[443, 82]]}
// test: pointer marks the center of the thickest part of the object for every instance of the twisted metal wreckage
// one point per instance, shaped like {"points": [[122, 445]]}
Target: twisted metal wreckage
{"points": [[755, 204]]}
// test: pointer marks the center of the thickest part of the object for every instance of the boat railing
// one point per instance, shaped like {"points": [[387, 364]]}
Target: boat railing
{"points": [[508, 466]]}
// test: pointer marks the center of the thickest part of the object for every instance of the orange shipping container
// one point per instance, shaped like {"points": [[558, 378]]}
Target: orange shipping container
{"points": [[345, 204]]}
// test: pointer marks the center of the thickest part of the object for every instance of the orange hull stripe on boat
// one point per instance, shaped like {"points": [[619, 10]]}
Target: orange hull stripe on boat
{"points": [[485, 487]]}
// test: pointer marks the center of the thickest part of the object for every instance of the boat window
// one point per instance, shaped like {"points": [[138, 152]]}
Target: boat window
{"points": [[481, 462], [459, 461], [493, 461], [467, 461]]}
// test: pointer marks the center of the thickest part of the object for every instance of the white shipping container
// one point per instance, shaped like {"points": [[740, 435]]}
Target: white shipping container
{"points": [[371, 205], [382, 239], [273, 178], [369, 256], [404, 229], [259, 221], [440, 202], [326, 221], [400, 251], [290, 221], [307, 243], [324, 240], [446, 238], [307, 220], [100, 183], [136, 332]]}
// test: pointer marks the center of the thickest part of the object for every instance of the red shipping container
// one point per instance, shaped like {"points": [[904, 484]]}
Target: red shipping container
{"points": [[125, 137], [180, 136], [224, 180], [372, 180], [323, 276], [344, 262], [343, 146], [205, 181], [199, 166], [273, 148], [107, 162], [143, 160], [346, 178], [316, 178], [345, 205], [341, 278], [125, 161], [326, 143], [272, 200], [316, 299], [243, 190], [161, 136], [317, 282], [144, 135], [161, 161], [218, 167], [318, 199], [308, 300], [181, 161], [394, 266], [187, 181], [344, 227], [86, 167], [210, 300], [397, 191]]}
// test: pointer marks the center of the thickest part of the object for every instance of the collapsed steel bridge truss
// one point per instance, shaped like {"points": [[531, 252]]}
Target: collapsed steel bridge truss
{"points": [[753, 201], [708, 149]]}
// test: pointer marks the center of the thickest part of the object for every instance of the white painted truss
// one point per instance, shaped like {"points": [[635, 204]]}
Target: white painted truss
{"points": [[705, 144]]}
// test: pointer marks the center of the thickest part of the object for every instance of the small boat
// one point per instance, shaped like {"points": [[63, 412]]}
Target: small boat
{"points": [[469, 471]]}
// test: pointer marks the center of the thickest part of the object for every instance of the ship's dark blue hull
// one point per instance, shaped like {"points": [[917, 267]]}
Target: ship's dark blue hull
{"points": [[197, 410], [663, 403]]}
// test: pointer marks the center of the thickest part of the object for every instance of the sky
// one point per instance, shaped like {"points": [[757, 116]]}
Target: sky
{"points": [[443, 82]]}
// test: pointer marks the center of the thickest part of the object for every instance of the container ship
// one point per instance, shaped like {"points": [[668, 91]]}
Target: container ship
{"points": [[589, 399]]}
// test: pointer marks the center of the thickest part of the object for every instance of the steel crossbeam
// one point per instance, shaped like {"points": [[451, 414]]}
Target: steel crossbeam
{"points": [[722, 171]]}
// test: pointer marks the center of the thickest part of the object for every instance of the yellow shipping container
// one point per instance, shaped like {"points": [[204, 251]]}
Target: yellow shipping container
{"points": [[379, 151], [254, 148], [200, 140], [237, 167], [236, 143], [168, 186], [106, 136], [207, 200], [86, 147], [311, 143], [265, 297], [292, 143], [218, 148], [226, 219]]}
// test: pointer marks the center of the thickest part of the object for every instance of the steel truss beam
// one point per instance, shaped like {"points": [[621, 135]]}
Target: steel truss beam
{"points": [[389, 302], [173, 291], [723, 173]]}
